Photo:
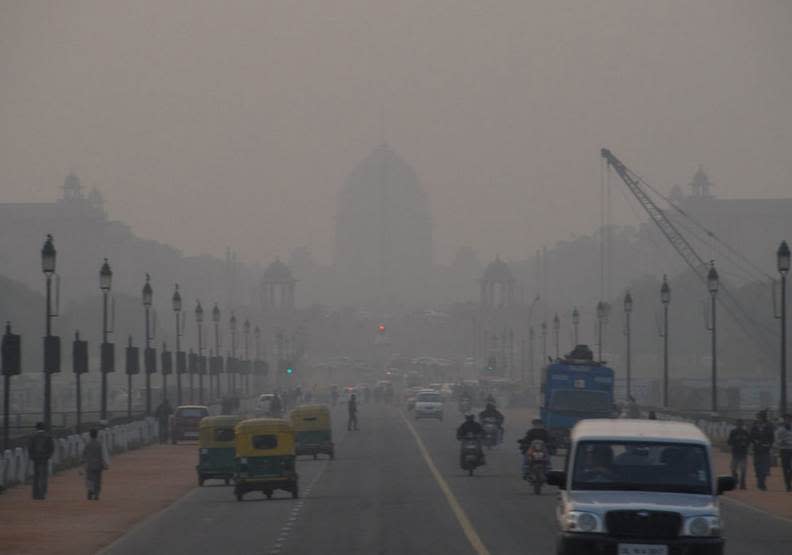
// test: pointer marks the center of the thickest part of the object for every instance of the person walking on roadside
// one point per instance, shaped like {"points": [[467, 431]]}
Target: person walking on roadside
{"points": [[352, 423], [163, 414], [784, 443], [739, 441], [94, 460], [40, 450], [762, 437]]}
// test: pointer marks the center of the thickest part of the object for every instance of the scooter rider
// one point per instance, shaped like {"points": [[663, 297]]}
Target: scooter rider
{"points": [[491, 412], [537, 432], [470, 428]]}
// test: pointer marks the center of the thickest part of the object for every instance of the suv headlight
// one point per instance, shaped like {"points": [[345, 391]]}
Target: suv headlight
{"points": [[706, 525], [580, 521]]}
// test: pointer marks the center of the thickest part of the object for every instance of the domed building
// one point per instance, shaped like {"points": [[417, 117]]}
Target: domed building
{"points": [[497, 285], [383, 249], [277, 288]]}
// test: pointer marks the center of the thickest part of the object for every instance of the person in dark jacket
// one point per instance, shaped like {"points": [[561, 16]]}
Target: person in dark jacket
{"points": [[537, 432], [163, 414], [784, 443], [762, 437], [739, 441], [94, 460], [352, 423], [40, 450]]}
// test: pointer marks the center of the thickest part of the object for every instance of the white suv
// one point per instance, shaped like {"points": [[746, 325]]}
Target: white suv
{"points": [[639, 487], [428, 404]]}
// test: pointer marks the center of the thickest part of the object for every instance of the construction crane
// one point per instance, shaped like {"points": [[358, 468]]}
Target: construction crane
{"points": [[685, 250]]}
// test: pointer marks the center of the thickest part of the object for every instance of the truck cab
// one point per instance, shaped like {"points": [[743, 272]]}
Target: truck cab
{"points": [[639, 487], [574, 388]]}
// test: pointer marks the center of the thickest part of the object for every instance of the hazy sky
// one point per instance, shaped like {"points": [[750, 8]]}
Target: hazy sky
{"points": [[208, 124]]}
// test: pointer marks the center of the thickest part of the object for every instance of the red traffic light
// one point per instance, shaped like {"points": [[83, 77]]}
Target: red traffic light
{"points": [[381, 328]]}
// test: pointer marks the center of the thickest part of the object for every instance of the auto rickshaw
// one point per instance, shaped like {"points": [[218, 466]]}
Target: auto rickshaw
{"points": [[265, 457], [312, 430], [216, 451]]}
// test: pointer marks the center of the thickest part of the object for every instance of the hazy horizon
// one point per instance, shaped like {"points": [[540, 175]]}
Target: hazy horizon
{"points": [[208, 125]]}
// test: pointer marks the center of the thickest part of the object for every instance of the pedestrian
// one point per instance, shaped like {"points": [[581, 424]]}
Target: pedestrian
{"points": [[95, 463], [352, 423], [163, 414], [40, 450], [762, 436], [739, 441], [784, 443]]}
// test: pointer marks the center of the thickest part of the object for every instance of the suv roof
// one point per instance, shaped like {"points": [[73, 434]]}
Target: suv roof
{"points": [[609, 429]]}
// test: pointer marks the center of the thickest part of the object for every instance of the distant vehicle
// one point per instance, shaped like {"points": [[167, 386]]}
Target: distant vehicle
{"points": [[470, 456], [637, 487], [574, 388], [185, 421], [428, 404]]}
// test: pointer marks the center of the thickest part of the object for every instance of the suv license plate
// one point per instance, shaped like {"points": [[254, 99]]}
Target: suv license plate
{"points": [[642, 549]]}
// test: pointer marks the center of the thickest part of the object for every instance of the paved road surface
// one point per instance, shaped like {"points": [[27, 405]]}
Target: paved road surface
{"points": [[381, 496]]}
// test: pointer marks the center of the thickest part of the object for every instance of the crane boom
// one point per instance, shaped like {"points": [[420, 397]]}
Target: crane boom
{"points": [[667, 227]]}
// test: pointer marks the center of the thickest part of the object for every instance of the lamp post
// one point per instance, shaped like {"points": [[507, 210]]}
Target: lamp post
{"points": [[48, 256], [544, 342], [665, 299], [257, 343], [713, 284], [782, 261], [628, 306], [105, 282], [176, 304], [602, 319], [557, 332], [232, 325], [531, 337], [199, 316], [216, 321], [148, 296], [246, 330], [575, 325]]}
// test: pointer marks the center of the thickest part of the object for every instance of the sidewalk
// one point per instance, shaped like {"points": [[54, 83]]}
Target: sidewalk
{"points": [[776, 500], [139, 483]]}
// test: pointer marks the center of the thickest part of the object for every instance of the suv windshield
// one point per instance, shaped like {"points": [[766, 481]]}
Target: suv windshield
{"points": [[641, 466], [577, 400], [428, 397]]}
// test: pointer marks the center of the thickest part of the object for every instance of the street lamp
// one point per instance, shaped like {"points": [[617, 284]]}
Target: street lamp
{"points": [[232, 324], [531, 337], [782, 261], [557, 332], [665, 299], [199, 316], [602, 319], [216, 321], [544, 341], [628, 307], [148, 296], [713, 283], [246, 330], [176, 304], [575, 324], [105, 282], [48, 256]]}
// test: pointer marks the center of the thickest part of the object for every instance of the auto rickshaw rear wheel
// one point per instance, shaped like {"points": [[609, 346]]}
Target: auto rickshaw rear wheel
{"points": [[268, 494]]}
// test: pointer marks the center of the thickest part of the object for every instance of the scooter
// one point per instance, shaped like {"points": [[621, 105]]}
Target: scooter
{"points": [[491, 432], [535, 461], [470, 456]]}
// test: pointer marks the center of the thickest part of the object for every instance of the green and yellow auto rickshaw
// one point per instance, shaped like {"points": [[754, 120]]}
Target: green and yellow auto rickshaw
{"points": [[312, 430], [216, 452], [265, 457]]}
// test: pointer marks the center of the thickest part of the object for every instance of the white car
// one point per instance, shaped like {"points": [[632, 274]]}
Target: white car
{"points": [[637, 487], [428, 404]]}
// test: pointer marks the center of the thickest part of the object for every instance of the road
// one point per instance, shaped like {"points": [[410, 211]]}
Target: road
{"points": [[386, 494]]}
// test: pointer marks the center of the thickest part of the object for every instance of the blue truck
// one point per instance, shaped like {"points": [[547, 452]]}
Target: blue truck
{"points": [[574, 388]]}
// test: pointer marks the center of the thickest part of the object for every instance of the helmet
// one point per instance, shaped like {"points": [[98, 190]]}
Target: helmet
{"points": [[470, 417]]}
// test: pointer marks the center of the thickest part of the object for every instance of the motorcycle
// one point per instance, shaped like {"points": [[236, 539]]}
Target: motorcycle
{"points": [[470, 456], [535, 462], [491, 432]]}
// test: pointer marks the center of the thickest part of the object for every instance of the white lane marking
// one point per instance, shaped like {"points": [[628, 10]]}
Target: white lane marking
{"points": [[745, 505]]}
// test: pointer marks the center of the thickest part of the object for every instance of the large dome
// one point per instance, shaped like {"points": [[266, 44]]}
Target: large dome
{"points": [[383, 229]]}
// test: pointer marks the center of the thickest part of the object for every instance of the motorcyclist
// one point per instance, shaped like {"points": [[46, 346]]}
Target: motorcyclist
{"points": [[470, 428], [491, 412], [538, 431]]}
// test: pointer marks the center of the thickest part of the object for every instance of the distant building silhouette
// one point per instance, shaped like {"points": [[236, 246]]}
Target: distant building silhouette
{"points": [[383, 232]]}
